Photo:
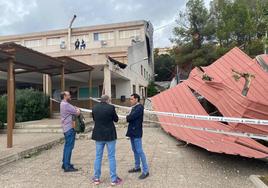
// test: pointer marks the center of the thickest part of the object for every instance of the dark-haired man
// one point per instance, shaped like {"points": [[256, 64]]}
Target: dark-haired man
{"points": [[134, 132], [67, 111]]}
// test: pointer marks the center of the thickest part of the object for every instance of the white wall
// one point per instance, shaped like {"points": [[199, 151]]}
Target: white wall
{"points": [[123, 87]]}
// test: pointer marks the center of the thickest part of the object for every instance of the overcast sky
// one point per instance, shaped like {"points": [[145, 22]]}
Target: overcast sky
{"points": [[22, 16]]}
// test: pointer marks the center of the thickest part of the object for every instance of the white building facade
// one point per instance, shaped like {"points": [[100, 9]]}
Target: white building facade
{"points": [[121, 54]]}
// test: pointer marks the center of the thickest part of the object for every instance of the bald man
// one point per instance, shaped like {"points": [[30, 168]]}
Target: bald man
{"points": [[67, 111]]}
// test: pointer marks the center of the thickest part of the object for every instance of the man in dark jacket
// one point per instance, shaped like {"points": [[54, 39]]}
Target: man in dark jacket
{"points": [[104, 133], [134, 132]]}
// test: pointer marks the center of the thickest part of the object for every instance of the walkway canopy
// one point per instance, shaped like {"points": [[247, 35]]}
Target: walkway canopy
{"points": [[4, 56], [28, 60], [17, 59]]}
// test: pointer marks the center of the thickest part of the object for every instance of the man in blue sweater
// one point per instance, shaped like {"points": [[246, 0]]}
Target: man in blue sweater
{"points": [[134, 132]]}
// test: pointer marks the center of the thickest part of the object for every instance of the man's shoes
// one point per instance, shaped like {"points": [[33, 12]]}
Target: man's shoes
{"points": [[134, 170], [62, 166], [143, 176], [71, 170], [96, 181], [118, 181]]}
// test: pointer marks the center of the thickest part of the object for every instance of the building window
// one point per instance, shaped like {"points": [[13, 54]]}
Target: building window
{"points": [[84, 92], [141, 70], [103, 36], [134, 88], [125, 34], [144, 73], [33, 43], [96, 36], [53, 41], [145, 92]]}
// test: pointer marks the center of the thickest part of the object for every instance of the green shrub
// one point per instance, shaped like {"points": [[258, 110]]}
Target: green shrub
{"points": [[151, 90], [30, 105], [3, 110]]}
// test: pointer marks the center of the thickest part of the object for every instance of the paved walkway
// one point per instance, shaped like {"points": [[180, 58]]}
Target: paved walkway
{"points": [[171, 165], [25, 143]]}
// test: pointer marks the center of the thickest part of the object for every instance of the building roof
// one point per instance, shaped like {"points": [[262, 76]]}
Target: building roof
{"points": [[75, 30], [28, 60], [224, 93], [115, 62]]}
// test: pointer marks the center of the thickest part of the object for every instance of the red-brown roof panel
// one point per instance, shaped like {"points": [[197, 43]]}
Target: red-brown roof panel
{"points": [[225, 93]]}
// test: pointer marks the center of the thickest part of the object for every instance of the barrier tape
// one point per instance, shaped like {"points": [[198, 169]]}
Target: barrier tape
{"points": [[217, 131], [200, 117]]}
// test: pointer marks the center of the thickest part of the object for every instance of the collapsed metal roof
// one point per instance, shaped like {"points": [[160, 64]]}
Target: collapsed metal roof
{"points": [[225, 94]]}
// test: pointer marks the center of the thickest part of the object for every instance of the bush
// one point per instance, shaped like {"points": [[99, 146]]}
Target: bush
{"points": [[3, 110], [151, 90], [30, 105]]}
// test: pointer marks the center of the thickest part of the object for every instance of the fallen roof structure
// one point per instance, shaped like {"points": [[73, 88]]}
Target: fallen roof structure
{"points": [[225, 93]]}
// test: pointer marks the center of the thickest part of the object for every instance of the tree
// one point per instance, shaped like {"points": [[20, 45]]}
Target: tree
{"points": [[194, 25], [164, 66], [194, 36], [203, 35], [239, 22]]}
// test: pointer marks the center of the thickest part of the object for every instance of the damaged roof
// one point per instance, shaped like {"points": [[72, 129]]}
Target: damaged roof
{"points": [[225, 93]]}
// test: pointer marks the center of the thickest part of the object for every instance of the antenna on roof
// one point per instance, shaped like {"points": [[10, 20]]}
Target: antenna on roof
{"points": [[71, 23]]}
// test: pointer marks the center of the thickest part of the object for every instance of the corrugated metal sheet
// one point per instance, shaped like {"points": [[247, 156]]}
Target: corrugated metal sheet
{"points": [[225, 93]]}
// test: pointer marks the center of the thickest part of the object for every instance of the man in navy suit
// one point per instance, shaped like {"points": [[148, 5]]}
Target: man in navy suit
{"points": [[134, 132]]}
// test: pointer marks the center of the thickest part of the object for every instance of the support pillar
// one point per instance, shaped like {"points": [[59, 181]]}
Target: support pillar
{"points": [[10, 103], [46, 84], [49, 93], [107, 81], [90, 88], [62, 79]]}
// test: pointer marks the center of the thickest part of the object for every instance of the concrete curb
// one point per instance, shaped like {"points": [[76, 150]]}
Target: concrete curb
{"points": [[29, 152], [257, 182]]}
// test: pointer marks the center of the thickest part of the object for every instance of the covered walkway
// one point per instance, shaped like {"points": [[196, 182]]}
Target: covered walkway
{"points": [[16, 59]]}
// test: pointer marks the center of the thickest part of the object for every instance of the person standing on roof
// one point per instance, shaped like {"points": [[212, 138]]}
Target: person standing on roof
{"points": [[77, 44], [83, 45]]}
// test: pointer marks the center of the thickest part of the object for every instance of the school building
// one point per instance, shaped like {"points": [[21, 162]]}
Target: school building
{"points": [[121, 55]]}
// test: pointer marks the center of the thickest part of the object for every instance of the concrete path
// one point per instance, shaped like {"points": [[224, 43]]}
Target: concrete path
{"points": [[26, 144], [171, 165]]}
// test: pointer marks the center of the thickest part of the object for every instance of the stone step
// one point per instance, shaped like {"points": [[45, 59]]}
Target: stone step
{"points": [[39, 126], [43, 130], [36, 130], [43, 126], [56, 115]]}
